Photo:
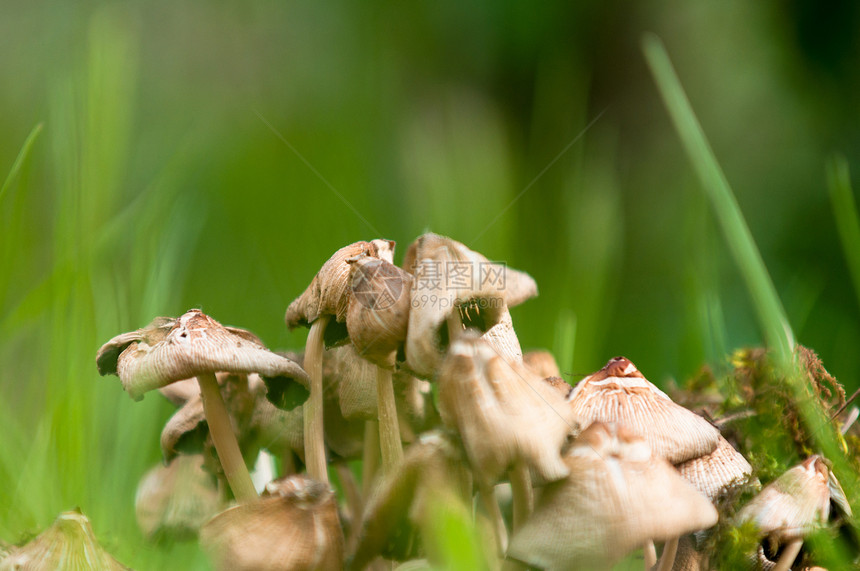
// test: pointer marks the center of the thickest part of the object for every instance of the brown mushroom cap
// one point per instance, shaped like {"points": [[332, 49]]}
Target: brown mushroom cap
{"points": [[328, 292], [504, 412], [718, 472], [617, 496], [170, 350], [620, 393], [794, 504], [68, 544], [293, 527]]}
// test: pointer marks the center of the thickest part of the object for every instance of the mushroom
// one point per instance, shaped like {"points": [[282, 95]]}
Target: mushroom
{"points": [[323, 307], [68, 544], [457, 288], [790, 507], [293, 527], [617, 496], [174, 501], [195, 345], [718, 472], [542, 363]]}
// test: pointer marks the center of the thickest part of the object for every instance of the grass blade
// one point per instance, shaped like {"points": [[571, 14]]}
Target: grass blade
{"points": [[845, 213], [19, 160]]}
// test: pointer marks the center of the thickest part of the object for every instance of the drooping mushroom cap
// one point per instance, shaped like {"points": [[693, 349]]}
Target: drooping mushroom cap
{"points": [[170, 350], [174, 501], [718, 472], [378, 311], [449, 277], [620, 393], [293, 527], [68, 544], [794, 504], [503, 412], [617, 496], [328, 293]]}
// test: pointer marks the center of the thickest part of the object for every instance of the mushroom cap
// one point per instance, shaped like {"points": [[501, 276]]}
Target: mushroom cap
{"points": [[617, 496], [378, 310], [503, 411], [450, 277], [328, 292], [620, 393], [542, 362], [718, 472], [68, 544], [293, 527], [794, 504], [170, 350], [174, 501]]}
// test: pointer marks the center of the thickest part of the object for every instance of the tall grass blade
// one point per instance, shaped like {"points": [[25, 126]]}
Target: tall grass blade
{"points": [[845, 213], [19, 160]]}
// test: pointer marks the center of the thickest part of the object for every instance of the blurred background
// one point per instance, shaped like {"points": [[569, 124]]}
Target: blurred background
{"points": [[214, 154]]}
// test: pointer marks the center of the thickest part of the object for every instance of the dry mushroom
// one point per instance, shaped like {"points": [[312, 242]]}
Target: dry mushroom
{"points": [[718, 472], [617, 496], [323, 307], [542, 363], [195, 345], [68, 544], [293, 527], [174, 501]]}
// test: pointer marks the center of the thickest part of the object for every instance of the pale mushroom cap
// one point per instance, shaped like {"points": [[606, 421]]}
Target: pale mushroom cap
{"points": [[68, 544], [542, 363], [176, 500], [718, 472], [295, 527], [185, 347], [620, 393], [503, 412], [794, 504], [617, 496], [328, 293]]}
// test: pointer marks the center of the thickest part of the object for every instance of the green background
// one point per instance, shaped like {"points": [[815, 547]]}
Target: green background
{"points": [[214, 154]]}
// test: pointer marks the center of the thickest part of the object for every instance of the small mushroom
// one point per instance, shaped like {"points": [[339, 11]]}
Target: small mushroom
{"points": [[323, 307], [195, 345], [174, 501], [620, 393], [68, 544], [293, 527], [617, 496], [718, 472]]}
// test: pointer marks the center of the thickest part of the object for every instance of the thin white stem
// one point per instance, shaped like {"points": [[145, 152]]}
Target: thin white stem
{"points": [[225, 440], [313, 412], [370, 457], [789, 554], [389, 430], [650, 553], [491, 506], [522, 492], [667, 559]]}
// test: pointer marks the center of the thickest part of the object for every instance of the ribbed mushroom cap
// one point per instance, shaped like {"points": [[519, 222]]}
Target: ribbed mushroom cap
{"points": [[174, 501], [542, 363], [503, 412], [293, 527], [718, 472], [617, 496], [449, 277], [620, 393], [329, 291], [378, 311], [68, 544], [559, 384], [170, 350], [794, 504], [397, 506]]}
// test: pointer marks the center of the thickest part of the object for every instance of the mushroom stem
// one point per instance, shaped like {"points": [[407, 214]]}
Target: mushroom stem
{"points": [[389, 429], [313, 413], [650, 553], [370, 457], [488, 498], [788, 555], [354, 503], [225, 440], [523, 494], [667, 559]]}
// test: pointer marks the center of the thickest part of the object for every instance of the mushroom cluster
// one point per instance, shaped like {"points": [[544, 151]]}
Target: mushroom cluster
{"points": [[414, 396]]}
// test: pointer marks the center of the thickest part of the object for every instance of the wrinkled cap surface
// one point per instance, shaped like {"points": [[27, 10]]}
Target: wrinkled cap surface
{"points": [[171, 350], [293, 527], [617, 496], [503, 411], [68, 544], [620, 393], [454, 281], [329, 291], [794, 504], [718, 472], [542, 363]]}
